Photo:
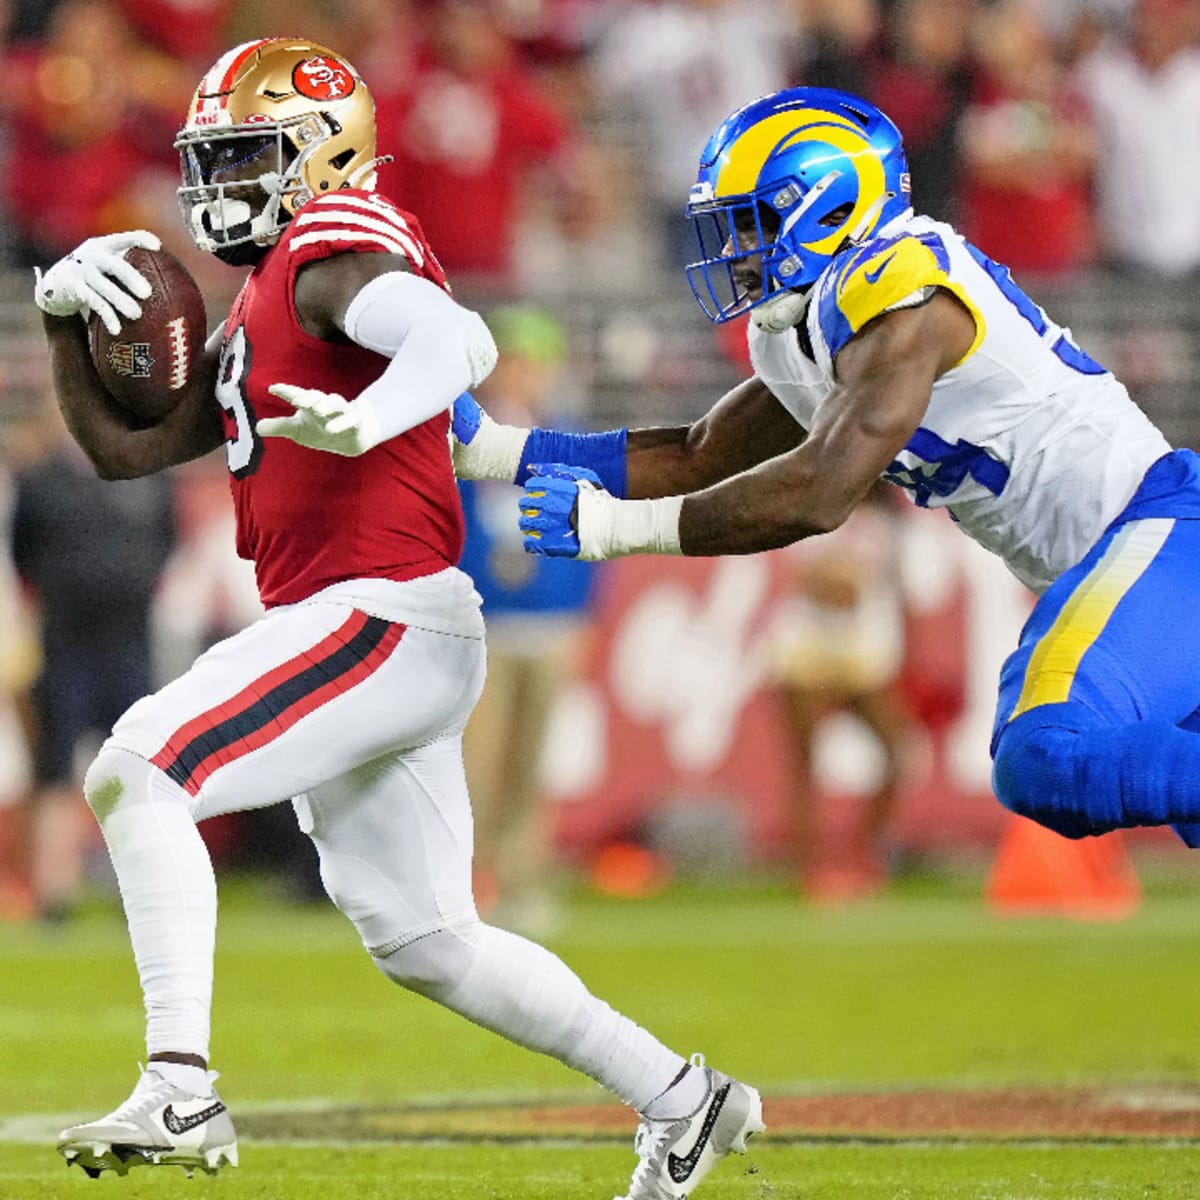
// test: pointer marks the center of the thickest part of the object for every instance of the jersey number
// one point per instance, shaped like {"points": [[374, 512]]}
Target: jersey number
{"points": [[944, 467], [1063, 348], [244, 449]]}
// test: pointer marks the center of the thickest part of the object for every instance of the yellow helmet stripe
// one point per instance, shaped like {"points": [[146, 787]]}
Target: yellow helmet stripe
{"points": [[743, 159]]}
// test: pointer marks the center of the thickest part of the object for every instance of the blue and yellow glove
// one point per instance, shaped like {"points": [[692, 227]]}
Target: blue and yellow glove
{"points": [[550, 507]]}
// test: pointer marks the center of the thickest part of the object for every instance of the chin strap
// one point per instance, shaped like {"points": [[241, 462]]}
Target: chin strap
{"points": [[780, 312], [786, 308]]}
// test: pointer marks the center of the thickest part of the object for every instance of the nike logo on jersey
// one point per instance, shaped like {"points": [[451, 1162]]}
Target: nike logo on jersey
{"points": [[681, 1168], [178, 1125], [873, 276]]}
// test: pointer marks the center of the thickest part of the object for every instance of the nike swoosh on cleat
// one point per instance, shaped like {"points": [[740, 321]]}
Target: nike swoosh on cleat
{"points": [[681, 1168], [873, 276], [178, 1125]]}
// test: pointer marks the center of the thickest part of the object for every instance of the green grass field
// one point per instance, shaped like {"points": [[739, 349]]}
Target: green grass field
{"points": [[324, 1064]]}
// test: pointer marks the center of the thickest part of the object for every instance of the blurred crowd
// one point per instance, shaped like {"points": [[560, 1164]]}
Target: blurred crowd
{"points": [[547, 147], [533, 136]]}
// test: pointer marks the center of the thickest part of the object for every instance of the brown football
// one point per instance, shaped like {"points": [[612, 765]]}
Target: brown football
{"points": [[148, 365]]}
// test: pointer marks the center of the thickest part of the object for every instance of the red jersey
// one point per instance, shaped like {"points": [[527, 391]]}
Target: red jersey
{"points": [[307, 518]]}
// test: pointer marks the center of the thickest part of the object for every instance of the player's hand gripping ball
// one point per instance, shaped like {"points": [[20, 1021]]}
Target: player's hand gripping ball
{"points": [[147, 366]]}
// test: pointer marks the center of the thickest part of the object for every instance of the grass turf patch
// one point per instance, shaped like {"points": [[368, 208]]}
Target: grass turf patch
{"points": [[923, 988], [790, 1172]]}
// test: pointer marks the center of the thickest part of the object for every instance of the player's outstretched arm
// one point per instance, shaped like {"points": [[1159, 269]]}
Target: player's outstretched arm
{"points": [[745, 427], [885, 376], [486, 449], [569, 511]]}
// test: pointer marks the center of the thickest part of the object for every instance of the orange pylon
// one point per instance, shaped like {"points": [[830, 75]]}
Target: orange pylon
{"points": [[1037, 872]]}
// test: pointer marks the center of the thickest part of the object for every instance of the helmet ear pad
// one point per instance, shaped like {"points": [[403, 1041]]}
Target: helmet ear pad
{"points": [[813, 229], [304, 144]]}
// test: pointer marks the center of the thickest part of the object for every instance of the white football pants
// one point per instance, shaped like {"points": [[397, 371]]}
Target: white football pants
{"points": [[353, 703]]}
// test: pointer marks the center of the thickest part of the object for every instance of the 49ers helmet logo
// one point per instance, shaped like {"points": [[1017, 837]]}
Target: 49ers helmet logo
{"points": [[322, 78]]}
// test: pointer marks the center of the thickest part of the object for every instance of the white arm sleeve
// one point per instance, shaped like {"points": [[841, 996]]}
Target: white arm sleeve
{"points": [[438, 349]]}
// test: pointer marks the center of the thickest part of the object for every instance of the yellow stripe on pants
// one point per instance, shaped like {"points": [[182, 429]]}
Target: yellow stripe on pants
{"points": [[1051, 670]]}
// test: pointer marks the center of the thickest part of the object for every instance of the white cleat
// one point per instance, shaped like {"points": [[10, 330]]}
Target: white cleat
{"points": [[674, 1156], [159, 1125]]}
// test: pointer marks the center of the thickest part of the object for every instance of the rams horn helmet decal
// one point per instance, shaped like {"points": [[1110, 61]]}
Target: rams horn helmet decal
{"points": [[784, 184]]}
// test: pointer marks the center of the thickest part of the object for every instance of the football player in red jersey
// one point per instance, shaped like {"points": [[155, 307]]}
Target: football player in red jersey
{"points": [[350, 696]]}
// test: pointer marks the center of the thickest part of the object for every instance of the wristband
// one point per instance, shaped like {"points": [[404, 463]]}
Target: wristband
{"points": [[494, 451], [603, 453], [610, 528]]}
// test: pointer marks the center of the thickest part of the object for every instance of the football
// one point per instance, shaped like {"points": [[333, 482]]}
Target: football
{"points": [[146, 368]]}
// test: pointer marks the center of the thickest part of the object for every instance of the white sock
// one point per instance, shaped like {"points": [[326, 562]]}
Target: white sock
{"points": [[684, 1097], [190, 1079], [169, 893], [521, 991]]}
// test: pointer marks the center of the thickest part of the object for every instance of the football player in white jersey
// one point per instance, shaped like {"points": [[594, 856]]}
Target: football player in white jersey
{"points": [[351, 694], [884, 345]]}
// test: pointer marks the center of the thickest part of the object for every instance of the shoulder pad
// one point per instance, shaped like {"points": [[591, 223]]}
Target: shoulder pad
{"points": [[872, 279], [353, 220]]}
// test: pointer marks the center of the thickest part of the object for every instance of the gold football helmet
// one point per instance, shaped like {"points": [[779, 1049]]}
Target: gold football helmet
{"points": [[274, 123]]}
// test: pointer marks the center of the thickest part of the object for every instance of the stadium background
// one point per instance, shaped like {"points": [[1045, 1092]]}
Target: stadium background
{"points": [[668, 740], [639, 352]]}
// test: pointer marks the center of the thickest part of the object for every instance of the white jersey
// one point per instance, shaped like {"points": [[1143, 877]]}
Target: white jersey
{"points": [[1030, 444]]}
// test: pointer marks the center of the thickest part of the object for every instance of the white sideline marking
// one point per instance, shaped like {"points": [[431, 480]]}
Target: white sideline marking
{"points": [[34, 1127]]}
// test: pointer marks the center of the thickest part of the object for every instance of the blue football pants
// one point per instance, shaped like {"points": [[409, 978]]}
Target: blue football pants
{"points": [[1098, 720]]}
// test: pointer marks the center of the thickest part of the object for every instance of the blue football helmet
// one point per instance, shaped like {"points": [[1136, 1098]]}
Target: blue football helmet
{"points": [[784, 184]]}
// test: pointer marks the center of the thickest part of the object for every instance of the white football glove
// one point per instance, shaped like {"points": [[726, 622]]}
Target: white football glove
{"points": [[323, 421], [95, 278]]}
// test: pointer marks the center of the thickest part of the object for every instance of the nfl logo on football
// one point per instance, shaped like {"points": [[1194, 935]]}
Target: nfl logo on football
{"points": [[131, 358]]}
